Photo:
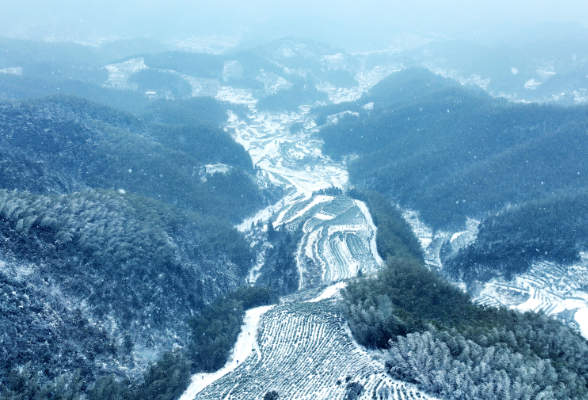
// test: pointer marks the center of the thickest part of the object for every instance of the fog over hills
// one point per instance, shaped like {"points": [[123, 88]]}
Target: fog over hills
{"points": [[310, 200], [369, 25]]}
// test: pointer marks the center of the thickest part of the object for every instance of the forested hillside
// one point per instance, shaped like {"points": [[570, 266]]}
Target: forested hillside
{"points": [[553, 229], [126, 168], [544, 63], [61, 144], [114, 233], [435, 337], [452, 152]]}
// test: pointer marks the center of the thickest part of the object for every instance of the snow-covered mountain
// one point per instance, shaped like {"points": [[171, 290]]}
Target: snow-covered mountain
{"points": [[266, 100]]}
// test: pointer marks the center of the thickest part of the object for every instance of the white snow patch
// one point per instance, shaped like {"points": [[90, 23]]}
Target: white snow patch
{"points": [[581, 317], [12, 71], [329, 292], [203, 86], [217, 168], [532, 84], [211, 44], [456, 235], [546, 286], [421, 231], [361, 205], [580, 95], [272, 82], [333, 119], [546, 71], [235, 96], [365, 79], [368, 106], [118, 74], [455, 75], [323, 216], [317, 200]]}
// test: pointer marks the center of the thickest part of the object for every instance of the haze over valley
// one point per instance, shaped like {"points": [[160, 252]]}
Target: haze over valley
{"points": [[293, 201]]}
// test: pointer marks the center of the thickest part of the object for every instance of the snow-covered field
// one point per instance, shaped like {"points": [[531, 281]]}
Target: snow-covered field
{"points": [[119, 74], [304, 350], [559, 291], [246, 343], [338, 232]]}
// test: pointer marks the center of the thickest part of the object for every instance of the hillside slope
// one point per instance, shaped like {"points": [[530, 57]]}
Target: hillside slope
{"points": [[114, 234]]}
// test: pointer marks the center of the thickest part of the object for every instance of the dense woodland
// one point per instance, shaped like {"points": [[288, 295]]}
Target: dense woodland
{"points": [[112, 231], [554, 228], [435, 337], [452, 152], [112, 237], [280, 270], [68, 143]]}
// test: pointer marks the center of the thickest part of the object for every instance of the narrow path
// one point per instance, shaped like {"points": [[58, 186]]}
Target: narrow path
{"points": [[246, 343]]}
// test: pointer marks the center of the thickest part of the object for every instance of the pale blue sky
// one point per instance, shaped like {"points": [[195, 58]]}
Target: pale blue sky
{"points": [[323, 19]]}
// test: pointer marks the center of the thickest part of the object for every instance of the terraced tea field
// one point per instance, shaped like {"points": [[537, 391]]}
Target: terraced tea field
{"points": [[303, 350], [306, 352]]}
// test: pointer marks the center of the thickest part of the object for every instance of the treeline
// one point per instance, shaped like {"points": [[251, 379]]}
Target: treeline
{"points": [[166, 379], [452, 152], [436, 338], [554, 228], [215, 329], [280, 270], [63, 144]]}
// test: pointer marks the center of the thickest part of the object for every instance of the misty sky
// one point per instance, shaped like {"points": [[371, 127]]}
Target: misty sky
{"points": [[326, 20]]}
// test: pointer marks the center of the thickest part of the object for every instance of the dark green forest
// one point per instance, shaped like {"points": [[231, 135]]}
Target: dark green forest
{"points": [[553, 228], [451, 151], [97, 146], [436, 338], [280, 270], [112, 237]]}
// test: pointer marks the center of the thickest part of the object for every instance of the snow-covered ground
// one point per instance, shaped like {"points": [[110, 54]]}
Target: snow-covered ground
{"points": [[12, 71], [119, 74], [246, 343], [339, 235], [329, 292], [305, 350], [557, 290]]}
